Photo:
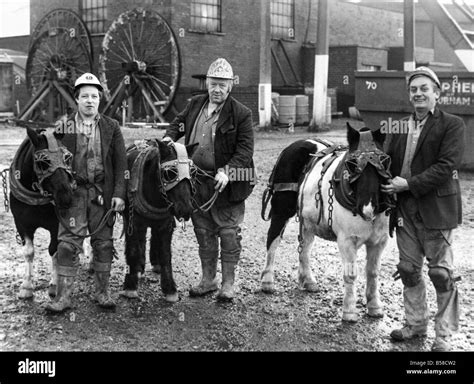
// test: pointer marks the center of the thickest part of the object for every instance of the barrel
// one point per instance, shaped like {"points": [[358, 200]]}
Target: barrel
{"points": [[302, 109], [287, 109]]}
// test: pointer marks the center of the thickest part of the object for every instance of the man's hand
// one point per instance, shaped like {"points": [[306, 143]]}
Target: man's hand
{"points": [[221, 180], [118, 205], [395, 185]]}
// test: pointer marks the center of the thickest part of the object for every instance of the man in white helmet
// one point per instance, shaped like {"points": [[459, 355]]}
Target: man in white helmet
{"points": [[425, 163], [222, 128], [99, 167]]}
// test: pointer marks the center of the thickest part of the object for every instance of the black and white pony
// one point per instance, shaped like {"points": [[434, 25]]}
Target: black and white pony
{"points": [[160, 188], [40, 176], [336, 193]]}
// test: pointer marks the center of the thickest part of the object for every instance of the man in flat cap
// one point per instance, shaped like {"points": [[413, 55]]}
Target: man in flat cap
{"points": [[425, 163]]}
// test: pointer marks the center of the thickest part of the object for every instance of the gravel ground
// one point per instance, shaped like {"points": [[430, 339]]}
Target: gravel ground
{"points": [[288, 320]]}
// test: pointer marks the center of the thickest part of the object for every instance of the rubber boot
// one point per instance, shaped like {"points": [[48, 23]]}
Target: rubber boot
{"points": [[227, 291], [62, 301], [208, 282], [102, 277]]}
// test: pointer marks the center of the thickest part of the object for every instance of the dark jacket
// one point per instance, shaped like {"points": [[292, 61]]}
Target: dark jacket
{"points": [[434, 170], [114, 157], [233, 142]]}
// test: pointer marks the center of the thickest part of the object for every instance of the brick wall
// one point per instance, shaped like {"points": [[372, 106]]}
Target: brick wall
{"points": [[239, 41]]}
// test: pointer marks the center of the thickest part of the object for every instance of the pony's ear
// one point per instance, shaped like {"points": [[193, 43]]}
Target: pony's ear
{"points": [[378, 136], [352, 136], [59, 136], [190, 149], [33, 135]]}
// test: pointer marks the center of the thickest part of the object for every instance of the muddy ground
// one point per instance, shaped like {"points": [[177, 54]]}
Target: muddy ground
{"points": [[288, 320]]}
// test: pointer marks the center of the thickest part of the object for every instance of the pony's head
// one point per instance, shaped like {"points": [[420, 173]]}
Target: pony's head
{"points": [[176, 174], [368, 168], [52, 165]]}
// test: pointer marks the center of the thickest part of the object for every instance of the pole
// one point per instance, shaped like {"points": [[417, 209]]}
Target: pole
{"points": [[409, 35], [265, 78], [321, 63]]}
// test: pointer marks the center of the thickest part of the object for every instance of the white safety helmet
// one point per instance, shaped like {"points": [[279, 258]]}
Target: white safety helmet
{"points": [[423, 71], [88, 79], [221, 69]]}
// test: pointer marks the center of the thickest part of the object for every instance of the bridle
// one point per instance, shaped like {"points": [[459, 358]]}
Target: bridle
{"points": [[47, 161], [181, 168], [367, 153]]}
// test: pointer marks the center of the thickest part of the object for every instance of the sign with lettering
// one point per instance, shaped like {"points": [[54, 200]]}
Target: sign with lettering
{"points": [[457, 93]]}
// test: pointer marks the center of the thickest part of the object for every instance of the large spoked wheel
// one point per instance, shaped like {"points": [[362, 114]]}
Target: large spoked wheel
{"points": [[64, 19], [139, 66], [58, 55]]}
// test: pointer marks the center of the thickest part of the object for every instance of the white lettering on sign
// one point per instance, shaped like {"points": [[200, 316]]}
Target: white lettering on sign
{"points": [[457, 93]]}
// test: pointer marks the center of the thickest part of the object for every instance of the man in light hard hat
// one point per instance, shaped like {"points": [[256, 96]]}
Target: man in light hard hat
{"points": [[99, 167], [425, 163], [222, 128]]}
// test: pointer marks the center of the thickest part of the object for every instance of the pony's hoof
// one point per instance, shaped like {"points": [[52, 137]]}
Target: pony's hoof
{"points": [[268, 287], [52, 290], [129, 294], [172, 297], [350, 317], [310, 286], [375, 312], [25, 293]]}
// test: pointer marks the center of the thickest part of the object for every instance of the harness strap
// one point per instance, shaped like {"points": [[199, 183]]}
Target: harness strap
{"points": [[52, 142], [281, 187]]}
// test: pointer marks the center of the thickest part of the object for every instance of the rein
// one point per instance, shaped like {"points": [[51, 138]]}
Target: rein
{"points": [[103, 222], [208, 204]]}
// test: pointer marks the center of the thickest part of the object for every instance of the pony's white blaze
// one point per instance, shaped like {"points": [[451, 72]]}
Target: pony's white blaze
{"points": [[26, 289], [368, 211]]}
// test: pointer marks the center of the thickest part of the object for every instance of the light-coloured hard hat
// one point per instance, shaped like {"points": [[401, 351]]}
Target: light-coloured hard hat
{"points": [[88, 79], [221, 69], [423, 71]]}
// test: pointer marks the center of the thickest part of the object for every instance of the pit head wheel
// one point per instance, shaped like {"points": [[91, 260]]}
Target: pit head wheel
{"points": [[139, 66], [60, 51]]}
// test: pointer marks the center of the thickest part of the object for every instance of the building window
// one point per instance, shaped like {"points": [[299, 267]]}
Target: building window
{"points": [[94, 14], [283, 19], [206, 15]]}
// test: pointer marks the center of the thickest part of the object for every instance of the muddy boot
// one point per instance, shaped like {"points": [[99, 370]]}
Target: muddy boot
{"points": [[227, 291], [208, 282], [101, 277], [62, 301]]}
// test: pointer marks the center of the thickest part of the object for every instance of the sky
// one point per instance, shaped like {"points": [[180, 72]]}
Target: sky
{"points": [[14, 17]]}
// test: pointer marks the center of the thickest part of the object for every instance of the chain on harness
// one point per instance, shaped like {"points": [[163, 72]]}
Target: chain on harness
{"points": [[6, 201]]}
